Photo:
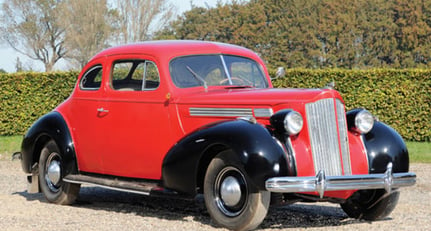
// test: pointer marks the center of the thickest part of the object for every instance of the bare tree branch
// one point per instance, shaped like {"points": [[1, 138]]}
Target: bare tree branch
{"points": [[32, 29], [87, 29], [137, 18]]}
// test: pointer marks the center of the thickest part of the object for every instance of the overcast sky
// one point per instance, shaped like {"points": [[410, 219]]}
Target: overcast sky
{"points": [[8, 56]]}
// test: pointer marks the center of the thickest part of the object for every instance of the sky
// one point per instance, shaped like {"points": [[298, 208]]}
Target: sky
{"points": [[8, 56]]}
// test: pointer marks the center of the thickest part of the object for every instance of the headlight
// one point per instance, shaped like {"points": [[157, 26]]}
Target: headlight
{"points": [[360, 120], [364, 121], [287, 121], [293, 123]]}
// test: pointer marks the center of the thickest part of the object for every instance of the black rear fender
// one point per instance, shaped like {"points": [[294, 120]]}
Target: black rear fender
{"points": [[50, 126]]}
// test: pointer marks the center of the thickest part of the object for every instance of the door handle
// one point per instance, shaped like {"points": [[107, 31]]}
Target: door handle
{"points": [[101, 109]]}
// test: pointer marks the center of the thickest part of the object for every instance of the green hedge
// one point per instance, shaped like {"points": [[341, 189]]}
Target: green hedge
{"points": [[26, 96], [400, 98]]}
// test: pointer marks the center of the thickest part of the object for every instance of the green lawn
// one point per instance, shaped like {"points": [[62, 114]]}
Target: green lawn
{"points": [[9, 145], [420, 152]]}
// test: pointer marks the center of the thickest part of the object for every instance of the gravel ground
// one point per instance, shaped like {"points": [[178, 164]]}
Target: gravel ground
{"points": [[101, 209]]}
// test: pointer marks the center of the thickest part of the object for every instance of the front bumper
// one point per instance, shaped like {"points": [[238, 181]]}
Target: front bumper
{"points": [[321, 183]]}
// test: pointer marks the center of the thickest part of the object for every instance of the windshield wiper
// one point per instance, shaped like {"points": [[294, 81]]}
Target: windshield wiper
{"points": [[199, 78]]}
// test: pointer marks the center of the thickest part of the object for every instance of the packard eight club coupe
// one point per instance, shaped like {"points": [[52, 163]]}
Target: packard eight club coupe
{"points": [[182, 118]]}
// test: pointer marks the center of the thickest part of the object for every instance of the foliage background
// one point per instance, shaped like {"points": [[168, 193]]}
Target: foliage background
{"points": [[25, 96], [400, 98], [357, 34]]}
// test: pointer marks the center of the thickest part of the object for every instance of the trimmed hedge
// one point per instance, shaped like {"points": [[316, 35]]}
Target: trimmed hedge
{"points": [[26, 96], [400, 98]]}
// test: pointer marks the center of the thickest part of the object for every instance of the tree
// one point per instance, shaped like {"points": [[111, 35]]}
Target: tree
{"points": [[136, 18], [2, 71], [87, 29], [316, 33], [231, 23], [32, 28], [412, 32]]}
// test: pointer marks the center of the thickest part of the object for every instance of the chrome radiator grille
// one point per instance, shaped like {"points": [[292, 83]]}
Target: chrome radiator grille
{"points": [[326, 138]]}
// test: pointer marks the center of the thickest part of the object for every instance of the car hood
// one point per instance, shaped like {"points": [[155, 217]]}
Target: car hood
{"points": [[197, 109], [255, 97]]}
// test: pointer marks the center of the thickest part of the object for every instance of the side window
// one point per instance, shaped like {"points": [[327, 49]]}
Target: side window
{"points": [[92, 79], [151, 76], [134, 75]]}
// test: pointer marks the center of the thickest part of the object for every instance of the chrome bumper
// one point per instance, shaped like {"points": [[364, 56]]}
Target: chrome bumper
{"points": [[321, 183]]}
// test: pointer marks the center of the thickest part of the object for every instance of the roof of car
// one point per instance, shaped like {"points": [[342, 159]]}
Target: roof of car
{"points": [[174, 48]]}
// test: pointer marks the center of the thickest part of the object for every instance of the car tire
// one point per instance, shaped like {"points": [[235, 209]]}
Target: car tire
{"points": [[370, 204], [51, 177], [231, 198]]}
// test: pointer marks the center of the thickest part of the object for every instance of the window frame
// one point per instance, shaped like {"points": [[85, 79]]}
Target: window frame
{"points": [[89, 70], [136, 62]]}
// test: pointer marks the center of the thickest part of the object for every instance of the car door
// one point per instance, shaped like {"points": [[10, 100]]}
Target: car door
{"points": [[137, 127], [86, 117]]}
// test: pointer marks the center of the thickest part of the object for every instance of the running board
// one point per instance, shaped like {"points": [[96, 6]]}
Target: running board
{"points": [[139, 187]]}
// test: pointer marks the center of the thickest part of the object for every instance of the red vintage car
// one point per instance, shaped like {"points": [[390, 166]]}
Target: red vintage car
{"points": [[182, 118]]}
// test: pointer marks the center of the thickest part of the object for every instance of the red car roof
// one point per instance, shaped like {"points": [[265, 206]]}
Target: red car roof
{"points": [[173, 48]]}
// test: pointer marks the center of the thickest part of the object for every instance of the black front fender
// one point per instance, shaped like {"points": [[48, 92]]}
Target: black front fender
{"points": [[384, 145], [261, 155], [50, 126]]}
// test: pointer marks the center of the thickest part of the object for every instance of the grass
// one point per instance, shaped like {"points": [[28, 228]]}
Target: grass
{"points": [[420, 152], [9, 145]]}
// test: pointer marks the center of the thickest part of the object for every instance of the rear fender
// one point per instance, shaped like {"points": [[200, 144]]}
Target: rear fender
{"points": [[50, 126], [261, 155]]}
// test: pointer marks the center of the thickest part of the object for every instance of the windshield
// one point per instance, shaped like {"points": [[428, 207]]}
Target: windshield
{"points": [[216, 70]]}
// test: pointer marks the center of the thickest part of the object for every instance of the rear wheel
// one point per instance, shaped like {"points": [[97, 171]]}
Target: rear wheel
{"points": [[231, 199], [370, 204], [51, 178]]}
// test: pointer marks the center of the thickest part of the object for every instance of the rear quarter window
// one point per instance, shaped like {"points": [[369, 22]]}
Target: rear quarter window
{"points": [[92, 78]]}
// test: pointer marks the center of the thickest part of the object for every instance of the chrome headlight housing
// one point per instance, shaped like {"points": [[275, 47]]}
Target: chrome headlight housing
{"points": [[287, 121], [360, 120]]}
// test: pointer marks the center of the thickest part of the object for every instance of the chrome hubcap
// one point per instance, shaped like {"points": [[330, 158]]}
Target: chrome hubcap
{"points": [[54, 172], [230, 191]]}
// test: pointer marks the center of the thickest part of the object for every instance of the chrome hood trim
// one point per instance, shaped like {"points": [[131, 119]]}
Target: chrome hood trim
{"points": [[221, 112], [231, 112]]}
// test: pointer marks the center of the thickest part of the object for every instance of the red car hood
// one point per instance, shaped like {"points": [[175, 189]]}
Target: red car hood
{"points": [[254, 97]]}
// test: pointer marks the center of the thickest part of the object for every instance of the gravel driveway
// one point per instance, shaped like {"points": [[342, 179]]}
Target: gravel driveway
{"points": [[101, 209]]}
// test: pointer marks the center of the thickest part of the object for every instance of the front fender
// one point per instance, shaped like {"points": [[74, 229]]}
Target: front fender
{"points": [[384, 145], [50, 126], [260, 153]]}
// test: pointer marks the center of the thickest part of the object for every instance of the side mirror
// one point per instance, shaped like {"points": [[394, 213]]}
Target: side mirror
{"points": [[280, 73]]}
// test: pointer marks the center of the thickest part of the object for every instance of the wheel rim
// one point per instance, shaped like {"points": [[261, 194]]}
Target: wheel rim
{"points": [[230, 191], [53, 172]]}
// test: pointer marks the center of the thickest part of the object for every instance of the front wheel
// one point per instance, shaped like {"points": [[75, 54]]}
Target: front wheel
{"points": [[51, 179], [370, 204], [231, 199]]}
